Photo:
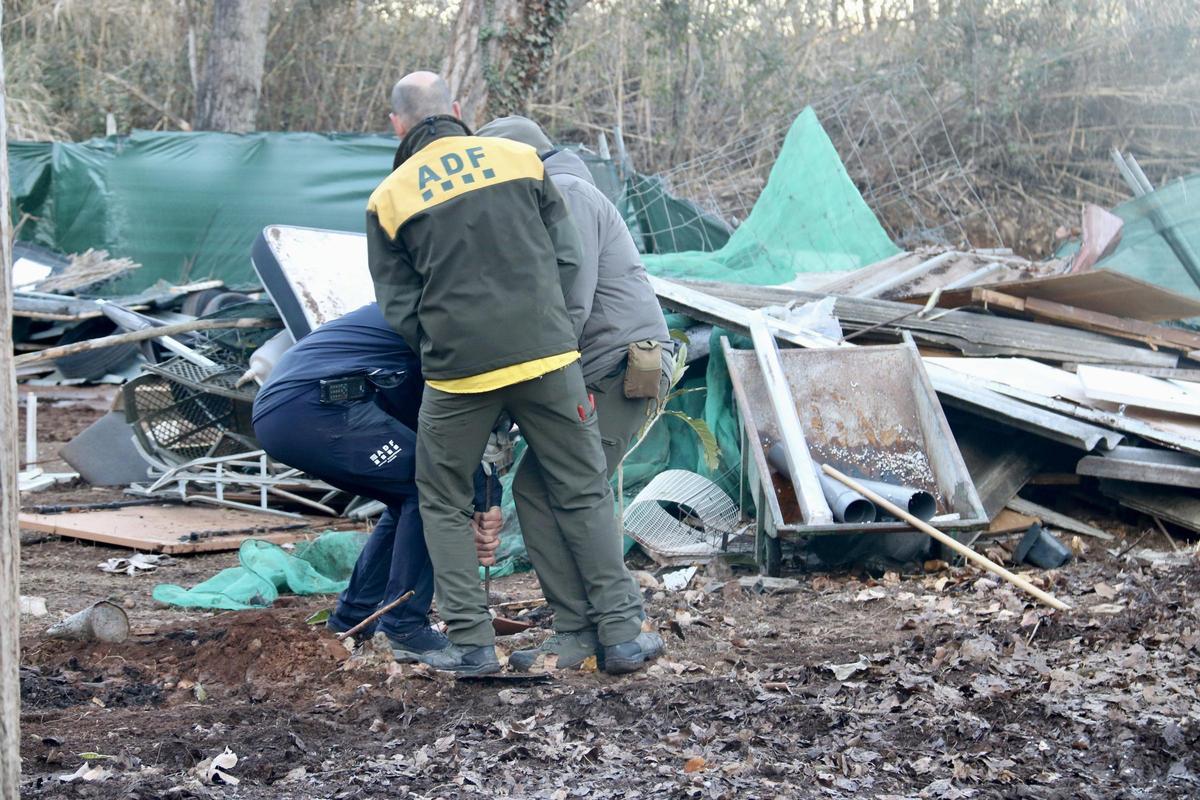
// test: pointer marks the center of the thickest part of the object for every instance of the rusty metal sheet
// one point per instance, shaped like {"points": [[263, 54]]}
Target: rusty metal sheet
{"points": [[868, 411]]}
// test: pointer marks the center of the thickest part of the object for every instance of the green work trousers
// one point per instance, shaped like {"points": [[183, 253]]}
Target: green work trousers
{"points": [[548, 533], [558, 423]]}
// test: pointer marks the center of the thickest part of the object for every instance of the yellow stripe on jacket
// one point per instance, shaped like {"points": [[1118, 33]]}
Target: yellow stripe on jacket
{"points": [[505, 376], [446, 168]]}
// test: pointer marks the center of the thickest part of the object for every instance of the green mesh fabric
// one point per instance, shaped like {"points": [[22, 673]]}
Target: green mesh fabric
{"points": [[809, 218], [266, 570]]}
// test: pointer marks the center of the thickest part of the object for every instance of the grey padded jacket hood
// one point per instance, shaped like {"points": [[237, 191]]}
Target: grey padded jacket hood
{"points": [[611, 302]]}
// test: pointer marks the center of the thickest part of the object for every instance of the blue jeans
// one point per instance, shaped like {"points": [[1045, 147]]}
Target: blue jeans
{"points": [[393, 561], [362, 449]]}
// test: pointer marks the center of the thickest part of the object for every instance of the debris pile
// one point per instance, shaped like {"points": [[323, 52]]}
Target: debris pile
{"points": [[976, 391]]}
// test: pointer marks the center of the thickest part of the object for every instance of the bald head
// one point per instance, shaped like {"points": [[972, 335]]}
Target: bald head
{"points": [[419, 95]]}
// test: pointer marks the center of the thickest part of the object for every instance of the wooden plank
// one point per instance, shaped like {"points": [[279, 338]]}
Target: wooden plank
{"points": [[1144, 465], [813, 508], [1172, 430], [1103, 290], [1054, 519], [999, 465], [1131, 389], [10, 499], [1132, 329], [1179, 506], [1009, 521], [1154, 372], [973, 334], [168, 529]]}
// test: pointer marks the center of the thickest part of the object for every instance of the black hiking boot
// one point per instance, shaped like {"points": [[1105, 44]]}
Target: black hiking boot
{"points": [[463, 660]]}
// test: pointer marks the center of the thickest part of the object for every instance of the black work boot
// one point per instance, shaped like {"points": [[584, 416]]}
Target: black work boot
{"points": [[465, 660], [631, 656], [570, 649]]}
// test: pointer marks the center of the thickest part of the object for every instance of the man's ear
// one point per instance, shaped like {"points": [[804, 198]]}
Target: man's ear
{"points": [[456, 109], [398, 125]]}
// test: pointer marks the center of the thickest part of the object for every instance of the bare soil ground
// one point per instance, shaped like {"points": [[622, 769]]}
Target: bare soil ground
{"points": [[945, 684]]}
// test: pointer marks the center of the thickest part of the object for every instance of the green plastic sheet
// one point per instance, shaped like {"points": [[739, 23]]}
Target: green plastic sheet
{"points": [[809, 218], [266, 570]]}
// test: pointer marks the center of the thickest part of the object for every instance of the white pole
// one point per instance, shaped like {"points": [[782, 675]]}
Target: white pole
{"points": [[31, 450]]}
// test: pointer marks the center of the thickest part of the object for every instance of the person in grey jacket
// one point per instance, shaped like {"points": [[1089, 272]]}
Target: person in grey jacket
{"points": [[627, 360]]}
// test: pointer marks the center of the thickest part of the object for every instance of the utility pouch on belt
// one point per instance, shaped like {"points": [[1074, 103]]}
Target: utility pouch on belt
{"points": [[643, 371]]}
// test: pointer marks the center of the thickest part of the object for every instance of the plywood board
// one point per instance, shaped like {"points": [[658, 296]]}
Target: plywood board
{"points": [[1099, 290], [1131, 389], [173, 529]]}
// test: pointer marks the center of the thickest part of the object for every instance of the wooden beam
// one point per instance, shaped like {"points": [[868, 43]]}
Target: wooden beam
{"points": [[1054, 519], [1083, 319], [141, 336], [1144, 465], [802, 472], [10, 498]]}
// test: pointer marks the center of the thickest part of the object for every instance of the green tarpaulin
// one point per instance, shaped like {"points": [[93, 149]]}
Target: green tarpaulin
{"points": [[187, 206]]}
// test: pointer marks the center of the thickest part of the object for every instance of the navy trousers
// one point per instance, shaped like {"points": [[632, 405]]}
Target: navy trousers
{"points": [[362, 449]]}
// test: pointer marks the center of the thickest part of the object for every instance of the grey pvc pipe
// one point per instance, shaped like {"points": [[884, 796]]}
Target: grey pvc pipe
{"points": [[918, 502], [846, 504]]}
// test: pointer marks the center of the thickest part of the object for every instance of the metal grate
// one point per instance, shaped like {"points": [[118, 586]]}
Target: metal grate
{"points": [[178, 422], [221, 380]]}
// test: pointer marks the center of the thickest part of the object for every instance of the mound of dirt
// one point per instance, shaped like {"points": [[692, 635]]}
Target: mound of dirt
{"points": [[250, 655]]}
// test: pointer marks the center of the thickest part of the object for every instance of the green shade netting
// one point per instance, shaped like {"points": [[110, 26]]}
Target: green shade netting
{"points": [[322, 566], [809, 218], [1143, 252]]}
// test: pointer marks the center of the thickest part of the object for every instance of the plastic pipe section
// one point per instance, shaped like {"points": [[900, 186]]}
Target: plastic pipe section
{"points": [[918, 502], [846, 504]]}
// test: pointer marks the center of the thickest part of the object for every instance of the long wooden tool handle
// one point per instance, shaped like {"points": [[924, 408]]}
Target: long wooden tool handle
{"points": [[953, 544], [141, 336], [402, 598]]}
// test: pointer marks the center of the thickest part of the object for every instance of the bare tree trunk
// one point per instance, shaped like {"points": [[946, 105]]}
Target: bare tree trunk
{"points": [[920, 11], [499, 50], [835, 8], [233, 66], [10, 539]]}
